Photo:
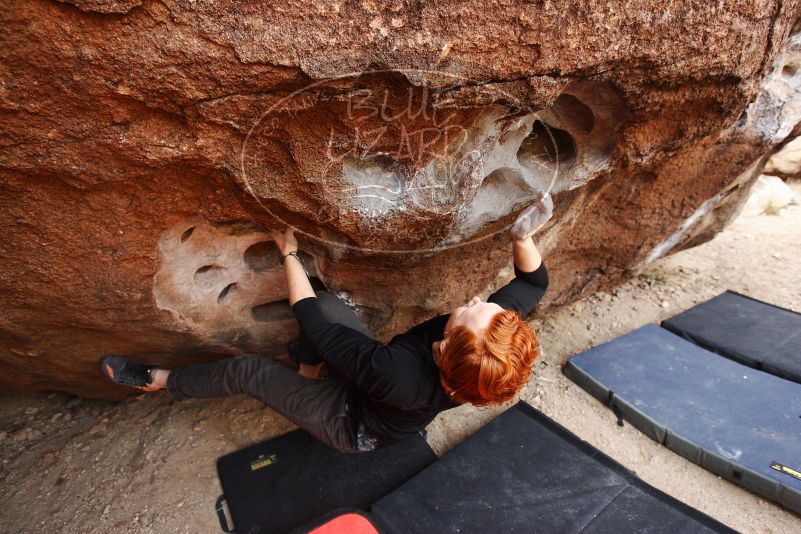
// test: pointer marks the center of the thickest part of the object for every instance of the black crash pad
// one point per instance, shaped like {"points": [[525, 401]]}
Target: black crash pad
{"points": [[286, 482], [749, 331], [523, 472], [738, 422]]}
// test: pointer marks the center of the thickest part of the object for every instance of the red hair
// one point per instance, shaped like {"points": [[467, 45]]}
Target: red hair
{"points": [[490, 368]]}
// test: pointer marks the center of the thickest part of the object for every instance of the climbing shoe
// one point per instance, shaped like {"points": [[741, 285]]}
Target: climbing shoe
{"points": [[121, 370]]}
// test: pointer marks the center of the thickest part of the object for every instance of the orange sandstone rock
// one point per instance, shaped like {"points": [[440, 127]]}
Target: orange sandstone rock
{"points": [[144, 146]]}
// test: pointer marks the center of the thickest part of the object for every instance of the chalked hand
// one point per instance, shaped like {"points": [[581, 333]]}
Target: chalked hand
{"points": [[285, 241], [533, 217]]}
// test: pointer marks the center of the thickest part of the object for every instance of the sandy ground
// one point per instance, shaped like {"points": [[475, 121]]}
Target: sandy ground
{"points": [[147, 464]]}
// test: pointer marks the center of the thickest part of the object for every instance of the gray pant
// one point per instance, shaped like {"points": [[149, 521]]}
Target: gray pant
{"points": [[318, 406]]}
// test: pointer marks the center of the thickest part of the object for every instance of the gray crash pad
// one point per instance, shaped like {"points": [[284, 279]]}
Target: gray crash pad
{"points": [[752, 332], [738, 422]]}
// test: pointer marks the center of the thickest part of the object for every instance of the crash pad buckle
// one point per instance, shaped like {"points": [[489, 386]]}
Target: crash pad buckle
{"points": [[218, 507]]}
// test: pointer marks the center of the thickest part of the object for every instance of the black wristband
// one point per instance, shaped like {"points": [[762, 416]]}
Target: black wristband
{"points": [[293, 253]]}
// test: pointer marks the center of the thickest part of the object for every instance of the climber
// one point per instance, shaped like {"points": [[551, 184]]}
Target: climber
{"points": [[481, 353]]}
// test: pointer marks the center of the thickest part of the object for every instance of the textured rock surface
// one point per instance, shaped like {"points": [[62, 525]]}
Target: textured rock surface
{"points": [[144, 142]]}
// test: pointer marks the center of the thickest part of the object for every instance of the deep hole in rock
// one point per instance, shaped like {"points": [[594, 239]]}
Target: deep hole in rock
{"points": [[742, 119], [574, 112], [226, 293], [262, 256], [272, 311], [645, 176], [500, 192], [207, 275], [187, 234], [547, 145]]}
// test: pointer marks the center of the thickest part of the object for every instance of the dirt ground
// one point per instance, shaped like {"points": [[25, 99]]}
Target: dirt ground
{"points": [[147, 464]]}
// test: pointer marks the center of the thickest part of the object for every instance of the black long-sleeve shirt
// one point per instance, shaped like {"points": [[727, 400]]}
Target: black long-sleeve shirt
{"points": [[396, 388]]}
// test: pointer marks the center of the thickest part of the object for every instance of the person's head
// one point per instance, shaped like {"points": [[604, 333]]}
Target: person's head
{"points": [[486, 354]]}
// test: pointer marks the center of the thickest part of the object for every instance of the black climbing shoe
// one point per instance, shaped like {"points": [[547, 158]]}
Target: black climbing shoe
{"points": [[121, 370]]}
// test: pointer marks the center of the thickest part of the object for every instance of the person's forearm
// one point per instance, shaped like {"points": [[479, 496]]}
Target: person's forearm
{"points": [[297, 281], [527, 257]]}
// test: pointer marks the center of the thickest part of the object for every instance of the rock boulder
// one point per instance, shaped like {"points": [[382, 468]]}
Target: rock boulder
{"points": [[147, 145]]}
